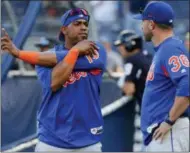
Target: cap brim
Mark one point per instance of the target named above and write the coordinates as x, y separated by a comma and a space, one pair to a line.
41, 45
138, 17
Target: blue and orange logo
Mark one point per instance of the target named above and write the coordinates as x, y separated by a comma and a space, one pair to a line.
74, 77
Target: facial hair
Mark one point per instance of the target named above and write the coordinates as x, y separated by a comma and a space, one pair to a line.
148, 37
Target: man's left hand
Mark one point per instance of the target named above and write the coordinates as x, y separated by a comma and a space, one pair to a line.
161, 131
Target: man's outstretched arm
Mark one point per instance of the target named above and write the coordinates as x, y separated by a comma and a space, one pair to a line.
33, 57
61, 72
50, 59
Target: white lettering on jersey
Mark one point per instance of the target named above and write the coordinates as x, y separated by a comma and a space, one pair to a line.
128, 68
139, 72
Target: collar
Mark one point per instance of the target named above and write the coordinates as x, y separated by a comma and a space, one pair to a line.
166, 40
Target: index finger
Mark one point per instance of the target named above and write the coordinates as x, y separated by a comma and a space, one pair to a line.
155, 132
4, 32
5, 39
94, 46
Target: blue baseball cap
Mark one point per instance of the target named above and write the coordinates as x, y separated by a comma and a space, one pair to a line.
71, 16
159, 12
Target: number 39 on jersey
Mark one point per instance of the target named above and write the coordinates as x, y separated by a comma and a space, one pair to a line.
177, 62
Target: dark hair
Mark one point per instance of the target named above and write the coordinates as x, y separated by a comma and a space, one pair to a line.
165, 26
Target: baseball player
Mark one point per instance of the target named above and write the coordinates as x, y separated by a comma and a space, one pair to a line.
70, 116
137, 62
164, 116
45, 44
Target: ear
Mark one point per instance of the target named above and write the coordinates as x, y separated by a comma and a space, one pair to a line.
151, 25
63, 30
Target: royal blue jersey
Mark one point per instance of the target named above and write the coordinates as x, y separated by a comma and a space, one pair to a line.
71, 117
167, 78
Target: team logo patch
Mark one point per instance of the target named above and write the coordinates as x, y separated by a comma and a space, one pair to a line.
74, 77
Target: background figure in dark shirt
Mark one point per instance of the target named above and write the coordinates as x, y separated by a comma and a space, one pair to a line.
136, 66
136, 63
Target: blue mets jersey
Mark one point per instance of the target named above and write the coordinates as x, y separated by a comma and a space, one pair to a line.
167, 78
71, 117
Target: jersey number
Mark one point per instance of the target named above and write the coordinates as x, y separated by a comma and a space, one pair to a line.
177, 61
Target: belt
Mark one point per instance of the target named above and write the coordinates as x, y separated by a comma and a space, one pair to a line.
184, 115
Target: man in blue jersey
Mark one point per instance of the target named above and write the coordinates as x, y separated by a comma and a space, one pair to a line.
70, 116
164, 114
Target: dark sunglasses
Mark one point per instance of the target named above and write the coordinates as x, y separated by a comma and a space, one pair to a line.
78, 11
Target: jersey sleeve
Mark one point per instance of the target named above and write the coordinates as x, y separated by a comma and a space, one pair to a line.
176, 63
44, 76
86, 62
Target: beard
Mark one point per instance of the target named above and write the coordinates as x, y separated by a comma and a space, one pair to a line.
148, 37
82, 38
79, 38
75, 39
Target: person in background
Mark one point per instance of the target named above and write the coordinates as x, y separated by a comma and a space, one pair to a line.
137, 63
45, 44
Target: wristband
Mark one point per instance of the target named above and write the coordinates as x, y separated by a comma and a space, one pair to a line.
28, 56
72, 56
167, 120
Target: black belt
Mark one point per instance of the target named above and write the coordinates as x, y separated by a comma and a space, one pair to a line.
184, 115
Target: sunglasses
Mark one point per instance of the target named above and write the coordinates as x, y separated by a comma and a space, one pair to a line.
77, 11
